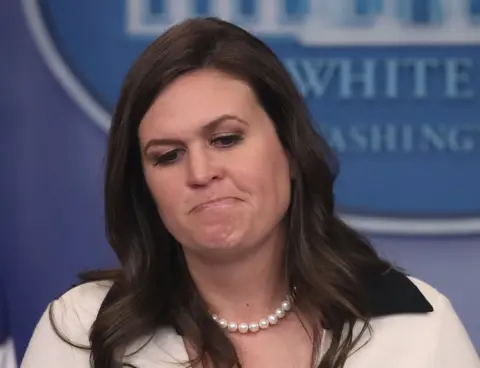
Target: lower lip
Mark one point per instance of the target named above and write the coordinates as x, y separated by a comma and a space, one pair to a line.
225, 202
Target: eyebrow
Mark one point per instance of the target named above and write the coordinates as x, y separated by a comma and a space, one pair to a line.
207, 128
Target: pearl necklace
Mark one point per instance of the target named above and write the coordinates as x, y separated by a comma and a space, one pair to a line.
264, 323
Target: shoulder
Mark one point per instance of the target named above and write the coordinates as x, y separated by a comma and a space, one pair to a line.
61, 336
443, 312
432, 295
89, 294
443, 315
396, 294
418, 320
73, 313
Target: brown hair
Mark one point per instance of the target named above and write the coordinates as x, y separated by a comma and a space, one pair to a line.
324, 258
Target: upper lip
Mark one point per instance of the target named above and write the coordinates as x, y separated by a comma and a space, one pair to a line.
210, 201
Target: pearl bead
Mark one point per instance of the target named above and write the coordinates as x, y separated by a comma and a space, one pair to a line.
286, 305
223, 323
272, 319
243, 328
253, 327
280, 313
263, 324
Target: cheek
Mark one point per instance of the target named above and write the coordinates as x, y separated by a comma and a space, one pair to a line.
279, 179
265, 174
165, 192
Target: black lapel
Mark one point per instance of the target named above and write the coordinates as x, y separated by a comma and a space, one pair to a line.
392, 292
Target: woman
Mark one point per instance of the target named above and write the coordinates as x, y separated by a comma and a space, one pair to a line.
219, 206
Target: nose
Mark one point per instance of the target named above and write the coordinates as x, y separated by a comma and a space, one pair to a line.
201, 168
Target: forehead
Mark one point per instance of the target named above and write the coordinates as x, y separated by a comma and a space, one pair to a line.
195, 99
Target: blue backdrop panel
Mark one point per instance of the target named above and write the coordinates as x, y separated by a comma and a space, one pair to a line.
402, 111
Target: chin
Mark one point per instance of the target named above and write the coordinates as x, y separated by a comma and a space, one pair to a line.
220, 243
224, 253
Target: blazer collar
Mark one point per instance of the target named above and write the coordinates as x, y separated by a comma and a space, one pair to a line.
392, 292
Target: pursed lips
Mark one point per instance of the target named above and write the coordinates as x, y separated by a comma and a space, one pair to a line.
212, 203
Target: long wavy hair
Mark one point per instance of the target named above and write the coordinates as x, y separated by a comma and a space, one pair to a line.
325, 259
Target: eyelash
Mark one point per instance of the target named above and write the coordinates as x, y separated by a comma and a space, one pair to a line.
232, 140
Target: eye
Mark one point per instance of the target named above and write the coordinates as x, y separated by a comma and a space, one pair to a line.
227, 140
168, 158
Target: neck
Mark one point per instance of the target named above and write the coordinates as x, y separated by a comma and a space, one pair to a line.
244, 286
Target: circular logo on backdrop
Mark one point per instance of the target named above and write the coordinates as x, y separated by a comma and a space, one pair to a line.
391, 84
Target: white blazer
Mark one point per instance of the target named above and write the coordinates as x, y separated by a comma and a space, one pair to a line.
402, 337
7, 354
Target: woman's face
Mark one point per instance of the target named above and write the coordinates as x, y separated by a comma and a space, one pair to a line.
214, 163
